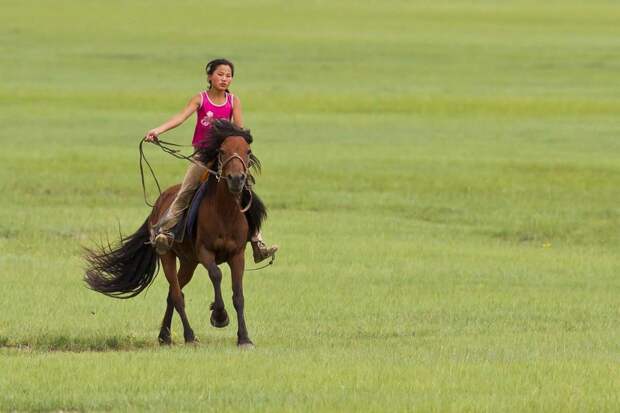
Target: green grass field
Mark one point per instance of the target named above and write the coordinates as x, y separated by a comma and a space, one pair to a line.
443, 179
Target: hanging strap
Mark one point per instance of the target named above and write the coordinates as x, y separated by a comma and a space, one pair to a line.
167, 147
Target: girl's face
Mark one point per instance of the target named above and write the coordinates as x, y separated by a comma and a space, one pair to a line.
221, 77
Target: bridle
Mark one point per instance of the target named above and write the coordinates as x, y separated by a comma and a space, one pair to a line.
168, 148
220, 170
221, 164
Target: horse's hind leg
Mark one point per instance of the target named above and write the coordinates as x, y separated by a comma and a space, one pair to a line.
165, 337
175, 295
185, 273
219, 316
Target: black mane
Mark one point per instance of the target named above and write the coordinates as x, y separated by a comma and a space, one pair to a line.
220, 130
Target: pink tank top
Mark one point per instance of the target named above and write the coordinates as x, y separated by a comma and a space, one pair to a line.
207, 111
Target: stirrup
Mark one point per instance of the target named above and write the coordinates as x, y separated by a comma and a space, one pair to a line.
262, 251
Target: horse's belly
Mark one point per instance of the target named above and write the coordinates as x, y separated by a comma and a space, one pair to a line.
225, 248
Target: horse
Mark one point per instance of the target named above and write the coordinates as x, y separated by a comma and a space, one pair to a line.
223, 228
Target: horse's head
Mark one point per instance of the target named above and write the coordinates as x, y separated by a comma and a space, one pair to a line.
234, 160
229, 146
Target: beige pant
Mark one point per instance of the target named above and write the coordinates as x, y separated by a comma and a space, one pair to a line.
190, 183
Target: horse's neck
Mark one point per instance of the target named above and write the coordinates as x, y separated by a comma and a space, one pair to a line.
223, 202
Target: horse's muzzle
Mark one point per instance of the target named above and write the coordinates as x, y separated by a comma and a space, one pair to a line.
235, 182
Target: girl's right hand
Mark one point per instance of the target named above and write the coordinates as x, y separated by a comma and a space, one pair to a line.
151, 136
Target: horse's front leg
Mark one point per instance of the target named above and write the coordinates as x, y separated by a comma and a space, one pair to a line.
237, 266
219, 316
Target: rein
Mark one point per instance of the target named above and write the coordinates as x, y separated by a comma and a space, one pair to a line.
168, 147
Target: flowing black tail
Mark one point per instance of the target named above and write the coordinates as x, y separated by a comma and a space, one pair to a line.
123, 271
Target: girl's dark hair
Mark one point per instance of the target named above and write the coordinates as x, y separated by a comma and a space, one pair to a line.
213, 64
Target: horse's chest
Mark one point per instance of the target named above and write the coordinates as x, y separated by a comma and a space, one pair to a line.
227, 244
225, 235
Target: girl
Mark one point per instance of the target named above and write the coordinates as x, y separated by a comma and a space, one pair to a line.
215, 103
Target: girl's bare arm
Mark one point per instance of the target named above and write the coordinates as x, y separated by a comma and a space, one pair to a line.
237, 116
174, 121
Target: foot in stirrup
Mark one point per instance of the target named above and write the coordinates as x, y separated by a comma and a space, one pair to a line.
262, 251
163, 242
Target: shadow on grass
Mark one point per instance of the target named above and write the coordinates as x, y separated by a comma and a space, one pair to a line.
77, 344
66, 343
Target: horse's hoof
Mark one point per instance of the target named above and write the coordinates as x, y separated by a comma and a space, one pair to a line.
219, 322
190, 338
245, 345
164, 340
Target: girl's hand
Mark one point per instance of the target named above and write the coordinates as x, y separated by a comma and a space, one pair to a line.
151, 136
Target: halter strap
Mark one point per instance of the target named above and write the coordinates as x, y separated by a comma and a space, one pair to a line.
221, 165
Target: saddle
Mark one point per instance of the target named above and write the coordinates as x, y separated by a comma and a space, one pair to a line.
187, 224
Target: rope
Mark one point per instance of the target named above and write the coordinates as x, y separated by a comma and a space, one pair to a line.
167, 147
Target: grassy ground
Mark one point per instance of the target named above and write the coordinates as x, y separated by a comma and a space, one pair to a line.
443, 179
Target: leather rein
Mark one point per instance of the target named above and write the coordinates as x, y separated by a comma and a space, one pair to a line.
168, 147
220, 169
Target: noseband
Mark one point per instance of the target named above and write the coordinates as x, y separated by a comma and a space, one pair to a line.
221, 165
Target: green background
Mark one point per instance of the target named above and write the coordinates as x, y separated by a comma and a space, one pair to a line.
442, 178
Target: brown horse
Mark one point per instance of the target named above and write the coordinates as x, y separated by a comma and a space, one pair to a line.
222, 231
